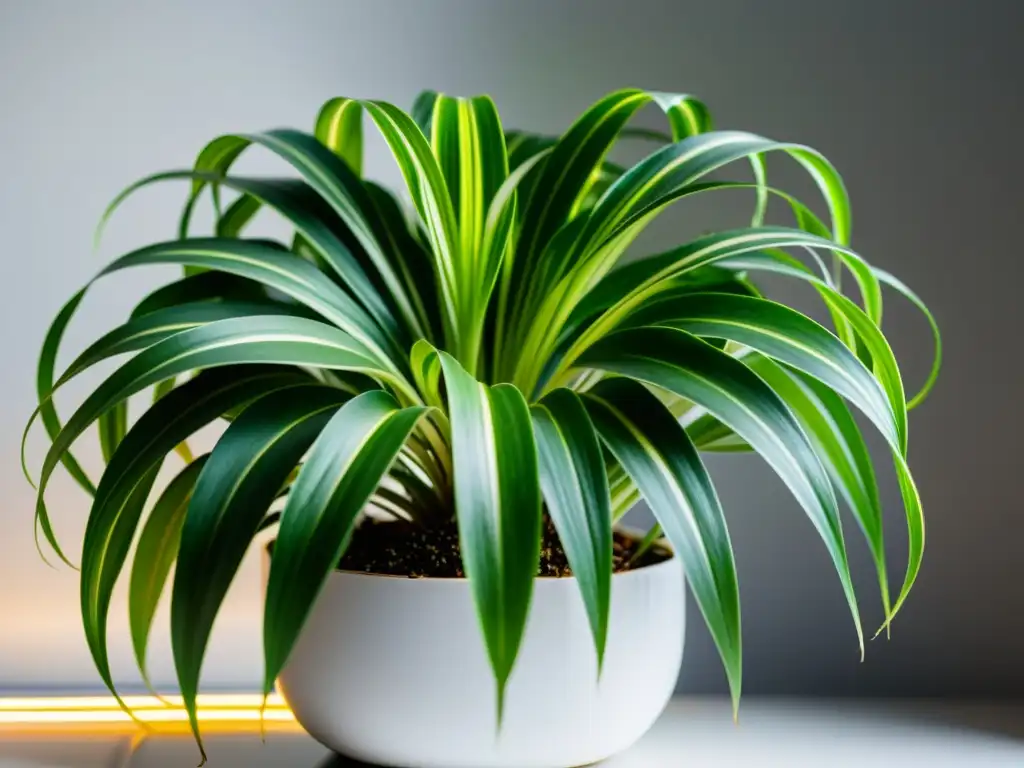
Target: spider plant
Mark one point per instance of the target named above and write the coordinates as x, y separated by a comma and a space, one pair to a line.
486, 353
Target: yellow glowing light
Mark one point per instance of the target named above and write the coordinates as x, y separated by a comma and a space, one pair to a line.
224, 708
208, 700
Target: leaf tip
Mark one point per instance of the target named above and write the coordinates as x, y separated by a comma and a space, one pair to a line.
263, 717
886, 627
500, 704
39, 550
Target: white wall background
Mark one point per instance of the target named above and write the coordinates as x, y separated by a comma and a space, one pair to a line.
916, 102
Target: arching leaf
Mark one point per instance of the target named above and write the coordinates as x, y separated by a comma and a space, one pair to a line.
681, 363
343, 469
236, 487
154, 555
121, 495
575, 489
656, 453
339, 127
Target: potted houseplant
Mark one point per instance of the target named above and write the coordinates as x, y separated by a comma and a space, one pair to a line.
476, 384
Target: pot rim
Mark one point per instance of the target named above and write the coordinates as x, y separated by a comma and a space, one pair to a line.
633, 572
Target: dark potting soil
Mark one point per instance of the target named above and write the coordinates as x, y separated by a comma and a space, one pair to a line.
403, 549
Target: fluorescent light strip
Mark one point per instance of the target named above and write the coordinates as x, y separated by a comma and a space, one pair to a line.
147, 709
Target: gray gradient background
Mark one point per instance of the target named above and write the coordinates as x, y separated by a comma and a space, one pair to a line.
917, 103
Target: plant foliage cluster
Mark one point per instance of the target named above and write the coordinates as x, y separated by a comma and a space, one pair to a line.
484, 352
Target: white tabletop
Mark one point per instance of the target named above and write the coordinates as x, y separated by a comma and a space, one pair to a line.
832, 734
698, 732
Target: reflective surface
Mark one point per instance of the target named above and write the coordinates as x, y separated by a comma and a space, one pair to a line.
771, 733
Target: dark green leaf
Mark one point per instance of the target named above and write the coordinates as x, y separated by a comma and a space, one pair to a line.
245, 471
272, 267
498, 505
45, 373
575, 488
343, 469
646, 440
781, 333
687, 366
128, 477
154, 556
841, 449
275, 339
111, 427
158, 325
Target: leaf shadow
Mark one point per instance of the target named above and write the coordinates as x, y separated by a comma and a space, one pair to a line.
336, 760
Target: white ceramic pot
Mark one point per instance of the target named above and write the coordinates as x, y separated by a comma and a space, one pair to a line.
393, 671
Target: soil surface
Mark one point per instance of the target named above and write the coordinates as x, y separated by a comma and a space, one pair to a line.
402, 549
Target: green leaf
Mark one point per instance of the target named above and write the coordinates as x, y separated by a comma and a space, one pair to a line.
111, 426
248, 466
423, 110
339, 127
663, 176
585, 256
709, 434
783, 334
687, 116
161, 324
205, 286
318, 224
215, 159
104, 550
411, 262
933, 374
841, 449
429, 193
703, 280
498, 258
47, 409
571, 164
333, 181
238, 215
691, 368
561, 183
154, 556
646, 440
888, 374
274, 268
259, 262
498, 505
523, 148
337, 250
681, 261
867, 332
274, 339
468, 140
118, 504
575, 489
426, 371
160, 389
624, 280
343, 469
633, 285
